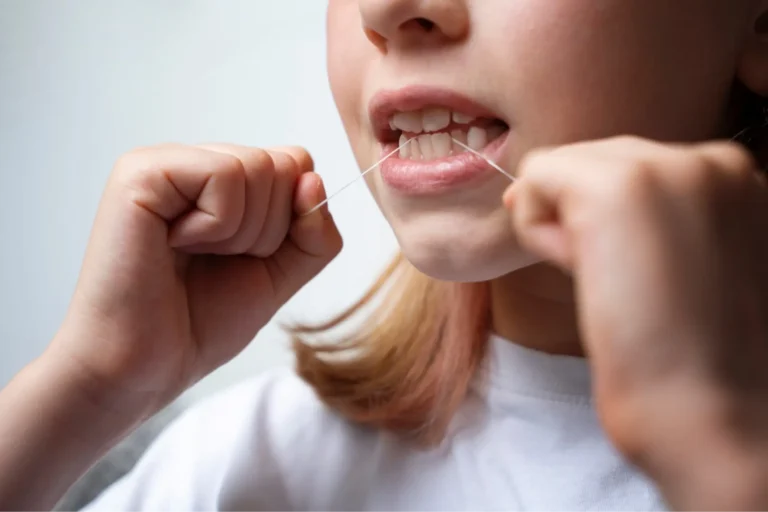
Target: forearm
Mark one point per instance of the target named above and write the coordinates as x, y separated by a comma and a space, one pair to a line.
711, 468
735, 484
51, 432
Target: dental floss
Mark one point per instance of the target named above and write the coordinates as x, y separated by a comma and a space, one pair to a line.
490, 162
362, 175
376, 166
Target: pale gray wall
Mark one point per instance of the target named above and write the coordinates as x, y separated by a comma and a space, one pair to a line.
82, 81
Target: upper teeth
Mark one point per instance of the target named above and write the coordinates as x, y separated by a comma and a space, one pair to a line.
431, 120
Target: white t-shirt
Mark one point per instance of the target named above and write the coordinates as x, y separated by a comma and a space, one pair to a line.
528, 439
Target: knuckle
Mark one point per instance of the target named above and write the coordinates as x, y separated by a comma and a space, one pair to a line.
742, 164
143, 160
634, 182
708, 175
239, 159
259, 166
134, 166
132, 161
301, 157
736, 157
285, 166
626, 140
732, 157
634, 144
701, 177
259, 160
305, 160
622, 189
697, 176
232, 165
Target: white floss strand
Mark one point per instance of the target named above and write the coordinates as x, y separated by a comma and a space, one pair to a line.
490, 162
377, 164
362, 175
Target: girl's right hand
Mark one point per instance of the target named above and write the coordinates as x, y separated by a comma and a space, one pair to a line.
193, 250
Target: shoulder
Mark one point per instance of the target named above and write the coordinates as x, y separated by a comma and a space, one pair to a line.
254, 445
277, 408
277, 405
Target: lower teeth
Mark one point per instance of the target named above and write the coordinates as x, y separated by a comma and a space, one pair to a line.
440, 145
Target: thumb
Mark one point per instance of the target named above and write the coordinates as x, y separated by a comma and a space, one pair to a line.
538, 223
313, 240
316, 233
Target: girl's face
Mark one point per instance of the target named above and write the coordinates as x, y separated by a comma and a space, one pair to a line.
506, 76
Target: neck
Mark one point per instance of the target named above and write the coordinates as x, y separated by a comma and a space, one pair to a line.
535, 308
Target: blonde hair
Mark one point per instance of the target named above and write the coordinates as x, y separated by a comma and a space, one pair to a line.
408, 367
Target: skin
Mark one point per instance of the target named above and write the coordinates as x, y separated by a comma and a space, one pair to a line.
648, 257
195, 248
645, 61
657, 69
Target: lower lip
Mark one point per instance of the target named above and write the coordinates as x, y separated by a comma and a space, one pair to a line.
415, 177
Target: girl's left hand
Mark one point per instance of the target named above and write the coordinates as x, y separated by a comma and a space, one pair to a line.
668, 248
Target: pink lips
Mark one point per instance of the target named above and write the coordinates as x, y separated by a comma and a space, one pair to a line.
419, 177
429, 177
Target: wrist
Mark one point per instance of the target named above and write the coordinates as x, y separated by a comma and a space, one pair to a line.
711, 462
107, 375
57, 378
94, 395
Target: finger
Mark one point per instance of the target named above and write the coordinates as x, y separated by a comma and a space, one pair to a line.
313, 242
536, 203
314, 233
300, 155
734, 159
280, 208
197, 192
565, 193
259, 169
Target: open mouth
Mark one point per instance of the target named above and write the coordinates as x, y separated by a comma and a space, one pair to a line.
431, 133
425, 121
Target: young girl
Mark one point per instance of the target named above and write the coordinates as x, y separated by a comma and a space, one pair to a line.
468, 387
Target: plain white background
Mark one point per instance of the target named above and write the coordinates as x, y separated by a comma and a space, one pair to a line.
85, 80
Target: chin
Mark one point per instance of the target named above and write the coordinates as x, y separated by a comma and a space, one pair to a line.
450, 248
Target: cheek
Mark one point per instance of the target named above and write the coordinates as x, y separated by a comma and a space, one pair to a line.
348, 58
587, 70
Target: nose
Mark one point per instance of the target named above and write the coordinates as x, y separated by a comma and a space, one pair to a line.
403, 22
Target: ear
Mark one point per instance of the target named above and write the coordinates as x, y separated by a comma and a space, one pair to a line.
753, 64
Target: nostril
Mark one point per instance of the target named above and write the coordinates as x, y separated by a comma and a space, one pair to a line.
377, 39
426, 24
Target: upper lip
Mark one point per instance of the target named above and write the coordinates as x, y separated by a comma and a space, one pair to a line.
387, 103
